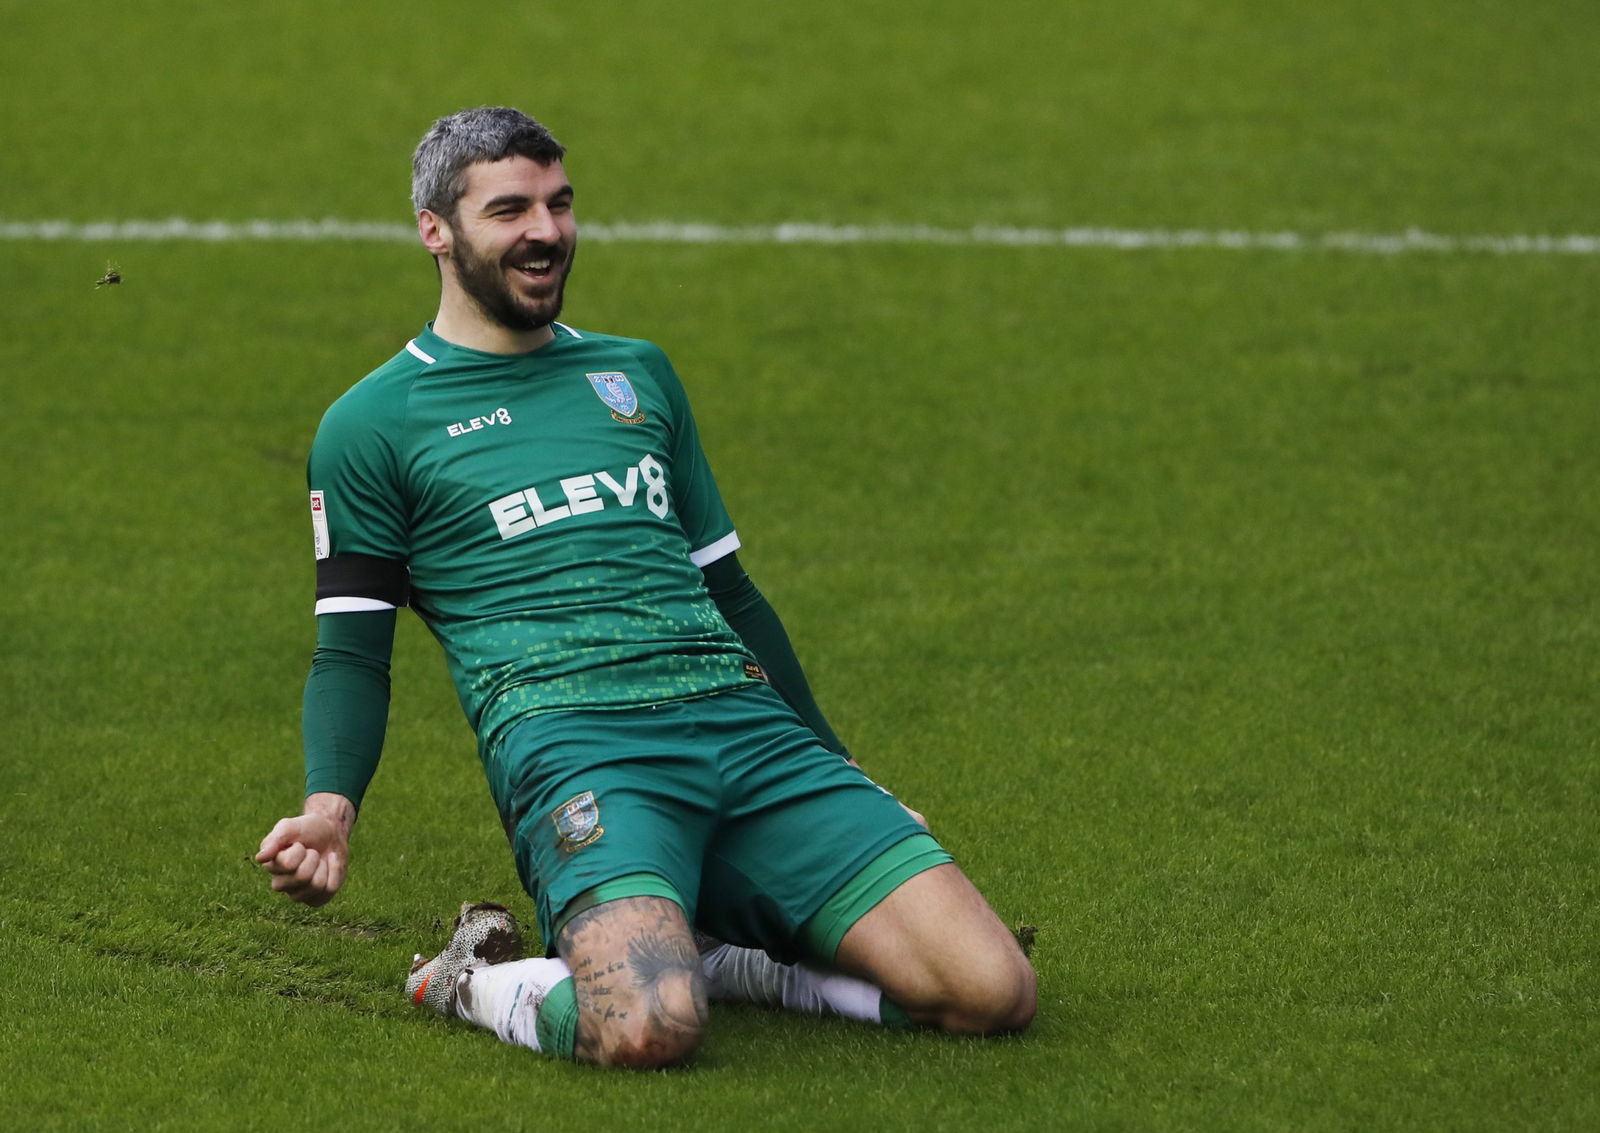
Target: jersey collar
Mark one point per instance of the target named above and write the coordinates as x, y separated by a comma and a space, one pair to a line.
429, 347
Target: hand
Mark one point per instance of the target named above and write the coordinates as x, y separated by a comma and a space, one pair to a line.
309, 855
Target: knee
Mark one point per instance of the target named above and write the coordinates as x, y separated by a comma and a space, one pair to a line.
996, 998
1023, 1002
652, 1034
1002, 1001
643, 1047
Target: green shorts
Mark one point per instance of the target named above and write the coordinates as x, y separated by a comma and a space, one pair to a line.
726, 804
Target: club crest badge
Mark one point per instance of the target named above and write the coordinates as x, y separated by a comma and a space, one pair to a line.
577, 822
616, 391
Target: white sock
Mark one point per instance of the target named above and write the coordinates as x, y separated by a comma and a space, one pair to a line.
749, 975
505, 998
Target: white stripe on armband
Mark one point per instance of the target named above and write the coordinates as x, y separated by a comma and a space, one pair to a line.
351, 605
727, 545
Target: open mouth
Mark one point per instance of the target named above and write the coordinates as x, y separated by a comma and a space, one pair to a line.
539, 269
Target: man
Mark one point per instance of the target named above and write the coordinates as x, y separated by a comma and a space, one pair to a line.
538, 495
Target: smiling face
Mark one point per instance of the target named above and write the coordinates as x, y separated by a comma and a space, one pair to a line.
509, 246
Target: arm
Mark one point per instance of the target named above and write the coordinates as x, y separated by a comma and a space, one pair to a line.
756, 622
359, 528
346, 710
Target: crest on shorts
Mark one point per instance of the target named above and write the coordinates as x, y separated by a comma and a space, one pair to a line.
577, 822
613, 388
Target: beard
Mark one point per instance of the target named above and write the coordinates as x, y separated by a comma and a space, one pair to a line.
483, 278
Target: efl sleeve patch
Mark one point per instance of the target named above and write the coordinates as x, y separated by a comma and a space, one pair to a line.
384, 581
319, 526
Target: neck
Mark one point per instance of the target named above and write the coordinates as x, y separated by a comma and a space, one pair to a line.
462, 322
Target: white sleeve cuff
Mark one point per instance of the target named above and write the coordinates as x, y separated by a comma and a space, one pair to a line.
723, 547
351, 605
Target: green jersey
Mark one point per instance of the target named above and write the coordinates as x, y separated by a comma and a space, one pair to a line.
546, 514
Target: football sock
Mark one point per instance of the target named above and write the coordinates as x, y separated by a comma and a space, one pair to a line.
531, 1003
749, 975
893, 1017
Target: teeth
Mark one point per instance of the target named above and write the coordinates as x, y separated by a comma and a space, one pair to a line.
535, 265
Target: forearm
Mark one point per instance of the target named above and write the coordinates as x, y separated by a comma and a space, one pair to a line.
346, 705
752, 617
336, 808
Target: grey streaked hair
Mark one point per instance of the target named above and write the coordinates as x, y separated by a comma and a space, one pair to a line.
456, 141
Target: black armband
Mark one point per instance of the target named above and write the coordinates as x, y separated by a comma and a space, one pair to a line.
364, 576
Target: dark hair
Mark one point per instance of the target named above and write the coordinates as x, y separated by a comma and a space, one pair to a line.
462, 139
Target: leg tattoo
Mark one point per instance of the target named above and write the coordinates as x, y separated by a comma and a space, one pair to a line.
640, 991
659, 961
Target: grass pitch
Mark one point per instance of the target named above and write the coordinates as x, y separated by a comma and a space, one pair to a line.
1231, 614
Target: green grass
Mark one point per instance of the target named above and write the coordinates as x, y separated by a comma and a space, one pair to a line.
1232, 615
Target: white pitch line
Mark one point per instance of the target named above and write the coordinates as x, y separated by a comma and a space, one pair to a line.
1410, 240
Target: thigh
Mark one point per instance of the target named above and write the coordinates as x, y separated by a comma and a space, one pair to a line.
938, 950
599, 796
636, 975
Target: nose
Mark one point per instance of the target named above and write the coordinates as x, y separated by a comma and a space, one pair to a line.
540, 227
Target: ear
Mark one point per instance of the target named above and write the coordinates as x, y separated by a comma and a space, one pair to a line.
435, 232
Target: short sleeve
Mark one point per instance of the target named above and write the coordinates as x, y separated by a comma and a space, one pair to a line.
358, 499
695, 497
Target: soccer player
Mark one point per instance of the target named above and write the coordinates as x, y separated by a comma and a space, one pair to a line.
538, 495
